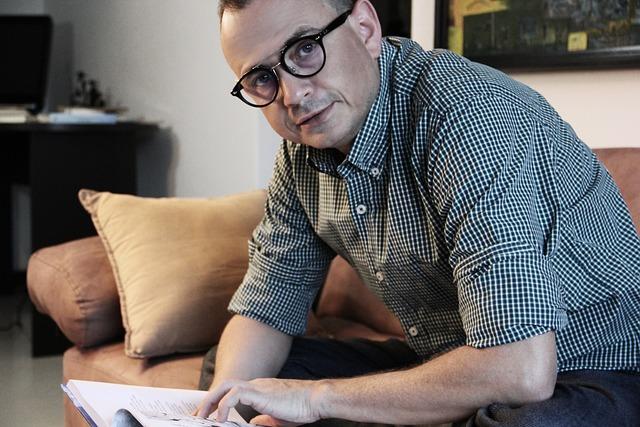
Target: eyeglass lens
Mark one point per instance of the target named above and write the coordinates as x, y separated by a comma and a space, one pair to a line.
260, 85
303, 58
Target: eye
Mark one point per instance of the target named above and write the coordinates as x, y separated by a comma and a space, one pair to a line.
258, 78
304, 50
304, 53
307, 48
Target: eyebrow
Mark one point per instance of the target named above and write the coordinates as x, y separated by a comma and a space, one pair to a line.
304, 30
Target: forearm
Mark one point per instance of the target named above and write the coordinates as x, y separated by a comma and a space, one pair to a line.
249, 349
450, 387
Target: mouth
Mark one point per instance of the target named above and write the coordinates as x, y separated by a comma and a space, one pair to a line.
315, 118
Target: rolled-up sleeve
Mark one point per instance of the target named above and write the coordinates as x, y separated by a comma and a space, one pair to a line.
493, 186
287, 260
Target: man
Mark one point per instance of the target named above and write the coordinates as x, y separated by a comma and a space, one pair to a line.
467, 205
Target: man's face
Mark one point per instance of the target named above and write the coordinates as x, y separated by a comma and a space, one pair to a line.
323, 111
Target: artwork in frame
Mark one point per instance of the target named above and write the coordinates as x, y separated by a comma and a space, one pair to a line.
529, 34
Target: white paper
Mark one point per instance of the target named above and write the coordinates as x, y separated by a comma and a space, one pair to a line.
152, 406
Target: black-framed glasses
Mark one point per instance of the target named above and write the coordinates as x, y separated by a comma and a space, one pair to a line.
303, 57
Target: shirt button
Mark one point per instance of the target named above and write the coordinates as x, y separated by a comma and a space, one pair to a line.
380, 276
413, 331
361, 209
375, 171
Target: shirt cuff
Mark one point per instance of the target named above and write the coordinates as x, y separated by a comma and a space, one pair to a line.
281, 300
510, 298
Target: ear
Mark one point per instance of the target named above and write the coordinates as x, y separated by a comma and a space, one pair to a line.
365, 22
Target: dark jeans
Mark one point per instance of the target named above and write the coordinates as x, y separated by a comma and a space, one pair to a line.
581, 398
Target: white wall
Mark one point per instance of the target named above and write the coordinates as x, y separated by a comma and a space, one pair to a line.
603, 107
21, 7
162, 60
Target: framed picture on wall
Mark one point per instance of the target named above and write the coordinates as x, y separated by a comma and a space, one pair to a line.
528, 34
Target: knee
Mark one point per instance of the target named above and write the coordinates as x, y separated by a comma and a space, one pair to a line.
299, 363
532, 415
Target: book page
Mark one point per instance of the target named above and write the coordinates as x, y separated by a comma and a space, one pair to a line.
177, 412
152, 406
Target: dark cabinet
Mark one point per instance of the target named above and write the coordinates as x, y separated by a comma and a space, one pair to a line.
55, 161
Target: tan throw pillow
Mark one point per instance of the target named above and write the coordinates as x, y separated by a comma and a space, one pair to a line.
177, 262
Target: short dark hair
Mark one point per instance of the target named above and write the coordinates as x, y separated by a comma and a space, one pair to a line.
235, 5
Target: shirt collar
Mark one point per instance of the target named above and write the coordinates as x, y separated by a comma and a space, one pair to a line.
369, 149
325, 161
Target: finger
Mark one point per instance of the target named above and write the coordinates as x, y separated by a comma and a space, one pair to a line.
205, 409
230, 400
269, 421
263, 420
200, 407
210, 401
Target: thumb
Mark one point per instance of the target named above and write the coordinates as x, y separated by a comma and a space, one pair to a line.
264, 420
269, 421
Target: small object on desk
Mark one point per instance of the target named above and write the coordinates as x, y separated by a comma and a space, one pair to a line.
74, 109
81, 118
9, 114
87, 92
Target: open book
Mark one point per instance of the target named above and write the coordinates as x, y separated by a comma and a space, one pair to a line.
152, 406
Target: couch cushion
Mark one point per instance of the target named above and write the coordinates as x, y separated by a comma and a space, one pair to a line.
624, 166
109, 363
73, 284
176, 264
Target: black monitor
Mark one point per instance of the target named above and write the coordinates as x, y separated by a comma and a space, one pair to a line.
25, 44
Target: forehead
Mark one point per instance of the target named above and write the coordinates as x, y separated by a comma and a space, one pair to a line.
253, 35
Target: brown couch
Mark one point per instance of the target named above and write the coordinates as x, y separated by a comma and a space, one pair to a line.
74, 284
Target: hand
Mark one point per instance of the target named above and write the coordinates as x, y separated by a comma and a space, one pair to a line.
281, 402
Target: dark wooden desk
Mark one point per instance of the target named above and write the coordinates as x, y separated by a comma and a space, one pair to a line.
55, 161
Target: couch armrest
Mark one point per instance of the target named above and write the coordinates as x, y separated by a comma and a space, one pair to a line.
622, 164
73, 283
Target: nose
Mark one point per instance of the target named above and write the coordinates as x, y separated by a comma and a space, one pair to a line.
294, 89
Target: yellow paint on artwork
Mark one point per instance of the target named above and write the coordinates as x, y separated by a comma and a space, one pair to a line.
455, 40
478, 7
577, 41
458, 9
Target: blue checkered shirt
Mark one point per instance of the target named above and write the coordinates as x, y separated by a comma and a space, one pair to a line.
469, 207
